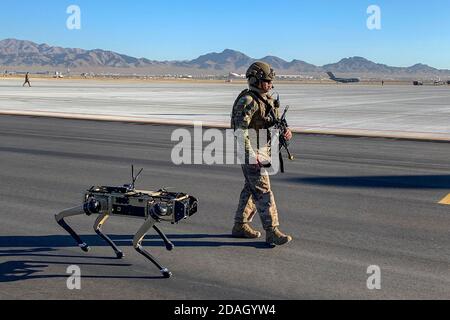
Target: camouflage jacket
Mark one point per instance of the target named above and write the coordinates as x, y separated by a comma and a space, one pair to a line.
250, 112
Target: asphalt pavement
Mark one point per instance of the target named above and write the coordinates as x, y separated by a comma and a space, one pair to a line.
349, 203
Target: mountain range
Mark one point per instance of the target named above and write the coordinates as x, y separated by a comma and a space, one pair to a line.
27, 54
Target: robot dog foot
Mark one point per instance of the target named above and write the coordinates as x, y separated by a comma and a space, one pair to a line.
84, 246
166, 273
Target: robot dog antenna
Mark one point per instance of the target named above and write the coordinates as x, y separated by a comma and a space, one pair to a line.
134, 178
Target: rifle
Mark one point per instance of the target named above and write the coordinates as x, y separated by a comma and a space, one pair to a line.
282, 125
279, 124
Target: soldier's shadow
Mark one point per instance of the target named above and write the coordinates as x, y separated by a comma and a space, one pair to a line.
188, 240
152, 240
32, 249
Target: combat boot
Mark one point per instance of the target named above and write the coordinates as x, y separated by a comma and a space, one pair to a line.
243, 230
275, 237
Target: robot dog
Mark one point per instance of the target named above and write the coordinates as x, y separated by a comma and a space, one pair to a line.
126, 201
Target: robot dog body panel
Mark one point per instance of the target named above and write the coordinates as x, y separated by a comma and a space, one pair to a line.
160, 205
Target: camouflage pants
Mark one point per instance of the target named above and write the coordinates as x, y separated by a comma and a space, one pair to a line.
257, 196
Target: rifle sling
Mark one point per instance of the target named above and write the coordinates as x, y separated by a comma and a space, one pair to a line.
255, 94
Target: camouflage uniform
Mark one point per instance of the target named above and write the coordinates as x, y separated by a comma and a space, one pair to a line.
252, 110
257, 196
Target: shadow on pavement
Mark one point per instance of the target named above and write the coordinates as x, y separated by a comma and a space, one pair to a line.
13, 271
63, 241
398, 182
45, 247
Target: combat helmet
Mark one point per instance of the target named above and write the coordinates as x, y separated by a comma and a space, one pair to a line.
260, 71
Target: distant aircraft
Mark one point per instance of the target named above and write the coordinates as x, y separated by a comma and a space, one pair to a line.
236, 75
438, 82
342, 80
58, 75
233, 75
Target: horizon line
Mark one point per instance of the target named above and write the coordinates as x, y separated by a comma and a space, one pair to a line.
213, 52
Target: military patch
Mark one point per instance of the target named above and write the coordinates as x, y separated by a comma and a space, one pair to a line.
250, 109
246, 100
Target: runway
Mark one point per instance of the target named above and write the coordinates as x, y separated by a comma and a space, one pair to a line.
398, 111
349, 203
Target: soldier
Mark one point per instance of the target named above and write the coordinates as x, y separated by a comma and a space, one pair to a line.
27, 80
251, 111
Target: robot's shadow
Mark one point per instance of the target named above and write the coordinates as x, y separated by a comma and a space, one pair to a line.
20, 270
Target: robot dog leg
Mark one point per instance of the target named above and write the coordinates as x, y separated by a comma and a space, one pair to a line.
137, 243
98, 230
76, 211
167, 242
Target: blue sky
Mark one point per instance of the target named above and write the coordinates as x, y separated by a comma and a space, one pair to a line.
319, 31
